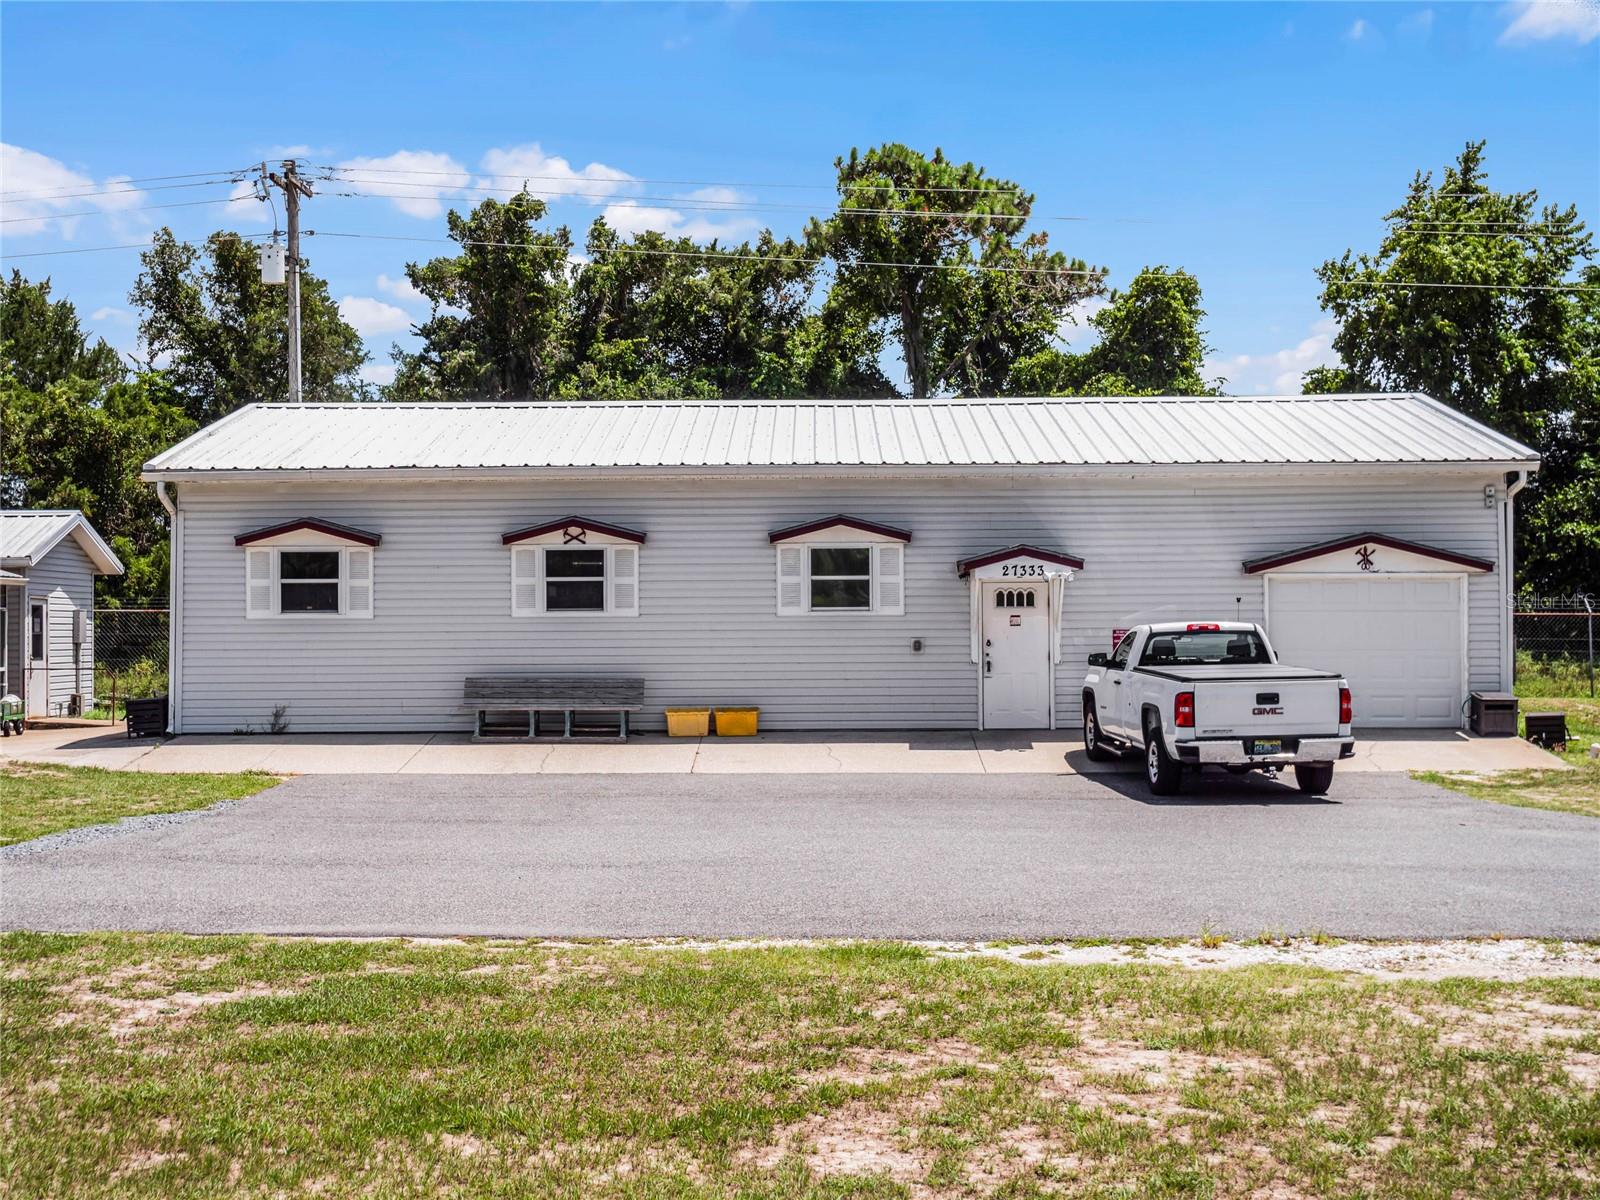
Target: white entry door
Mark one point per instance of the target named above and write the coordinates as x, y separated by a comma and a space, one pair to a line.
1399, 639
37, 650
1016, 656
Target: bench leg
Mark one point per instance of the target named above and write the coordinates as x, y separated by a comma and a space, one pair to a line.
624, 724
567, 718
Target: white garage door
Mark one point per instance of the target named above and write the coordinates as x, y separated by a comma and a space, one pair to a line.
1398, 639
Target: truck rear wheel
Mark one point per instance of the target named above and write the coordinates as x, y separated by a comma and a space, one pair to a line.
1164, 773
1314, 778
1093, 747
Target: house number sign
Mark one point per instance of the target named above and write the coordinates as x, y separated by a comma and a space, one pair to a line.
1021, 570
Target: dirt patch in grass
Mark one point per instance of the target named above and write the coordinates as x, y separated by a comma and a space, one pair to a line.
780, 1073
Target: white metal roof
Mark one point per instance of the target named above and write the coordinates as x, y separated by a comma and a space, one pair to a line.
738, 435
27, 535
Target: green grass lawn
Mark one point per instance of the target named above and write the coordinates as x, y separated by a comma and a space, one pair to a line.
1577, 790
40, 798
164, 1066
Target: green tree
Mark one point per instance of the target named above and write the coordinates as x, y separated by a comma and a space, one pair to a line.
958, 329
79, 443
41, 340
1150, 344
1469, 298
223, 334
499, 322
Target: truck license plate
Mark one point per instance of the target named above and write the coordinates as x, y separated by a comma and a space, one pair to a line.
1268, 746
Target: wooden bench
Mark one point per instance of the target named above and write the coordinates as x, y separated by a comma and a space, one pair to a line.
509, 707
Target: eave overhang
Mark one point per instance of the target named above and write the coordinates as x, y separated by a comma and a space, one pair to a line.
1290, 558
583, 524
968, 565
333, 529
839, 521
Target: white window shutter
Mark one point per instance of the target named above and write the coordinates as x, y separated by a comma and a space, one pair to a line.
623, 580
259, 568
358, 583
525, 591
791, 580
888, 579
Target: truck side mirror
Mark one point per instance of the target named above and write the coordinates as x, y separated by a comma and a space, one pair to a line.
1097, 660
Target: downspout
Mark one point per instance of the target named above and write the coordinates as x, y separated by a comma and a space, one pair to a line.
1515, 482
174, 606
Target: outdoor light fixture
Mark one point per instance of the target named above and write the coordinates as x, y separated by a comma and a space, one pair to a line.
1488, 495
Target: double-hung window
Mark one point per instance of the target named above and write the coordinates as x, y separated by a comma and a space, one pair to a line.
574, 566
840, 565
308, 568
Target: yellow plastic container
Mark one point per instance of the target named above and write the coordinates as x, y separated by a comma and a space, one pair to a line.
737, 722
688, 722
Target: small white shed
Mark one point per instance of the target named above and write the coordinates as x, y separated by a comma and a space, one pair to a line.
48, 561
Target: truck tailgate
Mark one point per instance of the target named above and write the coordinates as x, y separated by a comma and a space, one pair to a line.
1266, 707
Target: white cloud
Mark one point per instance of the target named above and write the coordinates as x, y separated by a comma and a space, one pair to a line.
628, 218
39, 187
1278, 372
548, 175
1547, 20
370, 316
400, 288
381, 373
416, 180
244, 207
1418, 23
114, 316
1358, 30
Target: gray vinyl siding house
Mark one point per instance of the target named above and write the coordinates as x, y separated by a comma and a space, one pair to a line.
48, 561
1336, 522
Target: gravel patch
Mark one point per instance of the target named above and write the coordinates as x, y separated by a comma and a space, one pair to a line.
86, 834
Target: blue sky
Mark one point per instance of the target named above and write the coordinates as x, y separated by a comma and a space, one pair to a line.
1243, 142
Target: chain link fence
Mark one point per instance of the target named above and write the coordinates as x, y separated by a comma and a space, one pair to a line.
130, 657
1555, 639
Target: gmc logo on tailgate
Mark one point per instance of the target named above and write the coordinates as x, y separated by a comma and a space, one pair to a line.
1272, 710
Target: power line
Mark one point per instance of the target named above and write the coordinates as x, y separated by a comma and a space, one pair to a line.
144, 179
720, 255
733, 256
689, 204
98, 249
627, 179
108, 212
124, 191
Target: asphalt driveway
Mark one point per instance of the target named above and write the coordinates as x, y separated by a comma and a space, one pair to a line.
937, 856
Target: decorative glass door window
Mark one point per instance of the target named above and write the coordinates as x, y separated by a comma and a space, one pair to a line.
575, 580
841, 577
308, 581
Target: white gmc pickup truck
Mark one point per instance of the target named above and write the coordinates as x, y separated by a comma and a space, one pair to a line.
1213, 693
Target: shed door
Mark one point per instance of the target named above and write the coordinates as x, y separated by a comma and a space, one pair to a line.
1016, 657
1399, 639
36, 648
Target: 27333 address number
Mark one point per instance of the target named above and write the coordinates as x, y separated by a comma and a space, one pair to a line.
1021, 570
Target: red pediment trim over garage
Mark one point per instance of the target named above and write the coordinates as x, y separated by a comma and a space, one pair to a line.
361, 537
967, 565
839, 520
577, 526
1359, 541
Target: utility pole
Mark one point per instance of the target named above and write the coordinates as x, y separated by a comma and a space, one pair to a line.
293, 187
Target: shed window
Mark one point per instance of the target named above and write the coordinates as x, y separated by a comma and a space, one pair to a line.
592, 578
308, 581
841, 577
823, 577
575, 580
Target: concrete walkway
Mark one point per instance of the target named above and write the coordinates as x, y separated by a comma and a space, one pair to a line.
934, 752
